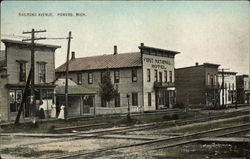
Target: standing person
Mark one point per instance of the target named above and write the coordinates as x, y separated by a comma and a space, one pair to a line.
53, 111
41, 110
61, 114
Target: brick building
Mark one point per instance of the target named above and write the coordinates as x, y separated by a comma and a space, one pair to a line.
229, 87
197, 85
147, 76
14, 69
243, 89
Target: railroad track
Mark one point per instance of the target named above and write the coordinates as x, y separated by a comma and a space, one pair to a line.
159, 143
152, 126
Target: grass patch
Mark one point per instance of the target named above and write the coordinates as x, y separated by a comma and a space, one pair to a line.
29, 152
211, 150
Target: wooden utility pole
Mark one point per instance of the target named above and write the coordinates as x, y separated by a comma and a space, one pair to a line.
66, 79
128, 115
31, 78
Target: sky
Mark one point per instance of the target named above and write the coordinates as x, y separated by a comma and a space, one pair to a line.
215, 32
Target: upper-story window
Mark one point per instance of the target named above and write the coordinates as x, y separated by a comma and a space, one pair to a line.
79, 78
22, 71
232, 86
212, 80
208, 79
42, 72
134, 75
215, 80
160, 76
170, 77
156, 75
116, 77
90, 78
166, 76
148, 75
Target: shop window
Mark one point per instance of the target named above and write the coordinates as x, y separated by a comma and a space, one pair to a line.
149, 99
116, 76
15, 99
42, 72
79, 78
160, 77
90, 78
134, 99
22, 71
148, 75
117, 101
156, 75
134, 75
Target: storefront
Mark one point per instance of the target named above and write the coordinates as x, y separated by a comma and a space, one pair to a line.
44, 96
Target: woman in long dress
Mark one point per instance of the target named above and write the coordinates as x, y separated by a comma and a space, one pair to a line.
61, 114
53, 111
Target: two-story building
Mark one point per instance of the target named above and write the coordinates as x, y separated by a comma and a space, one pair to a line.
147, 76
14, 70
243, 89
197, 85
228, 91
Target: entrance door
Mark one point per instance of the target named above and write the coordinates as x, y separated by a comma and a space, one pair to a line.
87, 103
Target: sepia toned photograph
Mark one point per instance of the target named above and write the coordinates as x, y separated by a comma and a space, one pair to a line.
125, 79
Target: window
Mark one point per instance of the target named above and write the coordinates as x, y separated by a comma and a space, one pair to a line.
148, 75
229, 85
134, 99
149, 99
170, 77
212, 80
79, 78
156, 76
208, 79
215, 80
116, 77
90, 78
160, 76
134, 75
15, 99
22, 71
117, 101
102, 73
166, 76
232, 86
42, 72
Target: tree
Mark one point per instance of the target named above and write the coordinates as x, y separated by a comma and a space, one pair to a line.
107, 90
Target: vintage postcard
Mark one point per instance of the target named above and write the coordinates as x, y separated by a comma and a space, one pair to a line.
124, 79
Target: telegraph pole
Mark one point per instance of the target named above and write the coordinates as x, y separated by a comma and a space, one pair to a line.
32, 67
66, 78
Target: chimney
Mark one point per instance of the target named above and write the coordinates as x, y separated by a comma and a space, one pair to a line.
115, 50
73, 55
196, 63
142, 44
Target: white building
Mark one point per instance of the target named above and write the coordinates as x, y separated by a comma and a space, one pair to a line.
147, 76
229, 89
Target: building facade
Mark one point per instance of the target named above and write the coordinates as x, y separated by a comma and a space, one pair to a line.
243, 89
147, 76
14, 71
228, 91
197, 85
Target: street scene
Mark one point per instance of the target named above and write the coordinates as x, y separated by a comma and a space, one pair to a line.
156, 79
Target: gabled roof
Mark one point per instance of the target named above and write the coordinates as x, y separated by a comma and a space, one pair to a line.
123, 60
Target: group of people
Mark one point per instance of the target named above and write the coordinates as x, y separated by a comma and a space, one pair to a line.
52, 113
